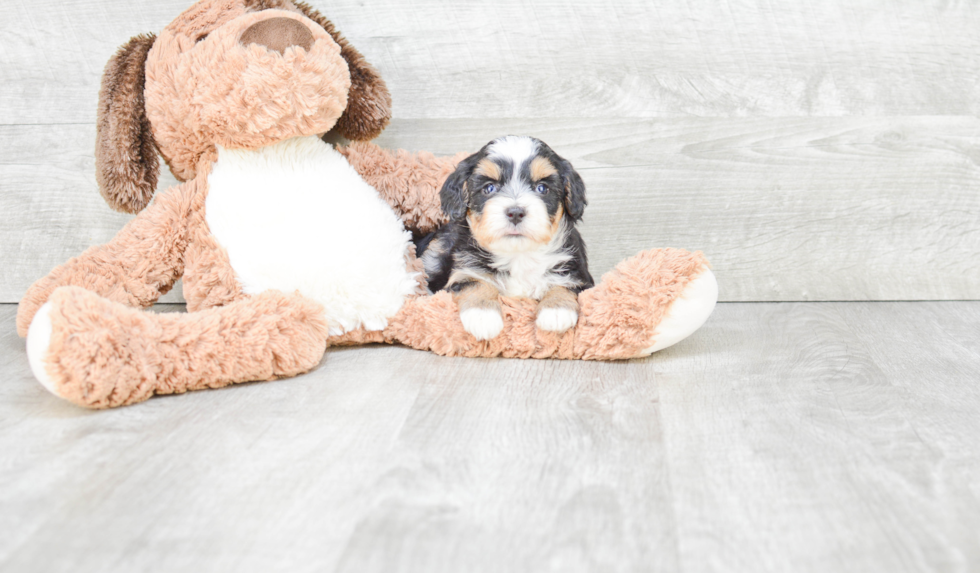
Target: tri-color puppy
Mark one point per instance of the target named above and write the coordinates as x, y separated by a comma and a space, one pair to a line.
512, 208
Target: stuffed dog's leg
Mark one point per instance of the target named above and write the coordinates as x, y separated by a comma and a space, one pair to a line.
409, 182
648, 302
99, 354
142, 262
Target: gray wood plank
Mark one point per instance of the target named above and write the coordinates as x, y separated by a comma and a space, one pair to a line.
564, 58
51, 203
165, 476
808, 441
785, 208
803, 437
569, 475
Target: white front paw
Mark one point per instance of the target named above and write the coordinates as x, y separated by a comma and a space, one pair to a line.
482, 323
556, 319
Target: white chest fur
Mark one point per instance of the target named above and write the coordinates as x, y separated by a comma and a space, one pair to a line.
528, 275
528, 272
296, 216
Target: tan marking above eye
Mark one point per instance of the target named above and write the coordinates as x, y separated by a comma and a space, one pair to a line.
541, 168
488, 168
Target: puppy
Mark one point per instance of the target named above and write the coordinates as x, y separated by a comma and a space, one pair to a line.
512, 209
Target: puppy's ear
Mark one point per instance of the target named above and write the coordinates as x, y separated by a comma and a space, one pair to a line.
368, 103
454, 195
574, 190
126, 158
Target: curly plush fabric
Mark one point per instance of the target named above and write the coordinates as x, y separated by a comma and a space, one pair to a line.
140, 264
126, 164
258, 98
405, 179
250, 75
618, 316
369, 109
105, 354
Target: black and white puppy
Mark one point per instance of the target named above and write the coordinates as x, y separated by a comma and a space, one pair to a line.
512, 209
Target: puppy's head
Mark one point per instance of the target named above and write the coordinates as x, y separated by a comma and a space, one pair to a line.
514, 193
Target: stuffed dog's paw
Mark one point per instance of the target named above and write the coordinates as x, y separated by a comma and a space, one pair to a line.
38, 342
482, 323
687, 313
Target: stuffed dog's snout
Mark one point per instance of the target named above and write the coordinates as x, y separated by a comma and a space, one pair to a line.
201, 83
277, 34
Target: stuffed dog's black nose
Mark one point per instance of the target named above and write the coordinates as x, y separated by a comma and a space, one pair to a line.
277, 34
515, 214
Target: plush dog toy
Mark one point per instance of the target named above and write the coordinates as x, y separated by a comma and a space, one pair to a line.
286, 244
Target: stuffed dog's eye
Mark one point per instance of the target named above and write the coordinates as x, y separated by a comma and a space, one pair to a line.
200, 39
489, 188
541, 188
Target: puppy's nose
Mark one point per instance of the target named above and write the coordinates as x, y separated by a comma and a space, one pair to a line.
277, 34
515, 214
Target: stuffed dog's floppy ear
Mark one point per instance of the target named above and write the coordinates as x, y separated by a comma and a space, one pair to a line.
368, 103
574, 190
454, 195
126, 161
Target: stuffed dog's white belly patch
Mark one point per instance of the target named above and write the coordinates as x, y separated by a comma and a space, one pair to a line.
296, 216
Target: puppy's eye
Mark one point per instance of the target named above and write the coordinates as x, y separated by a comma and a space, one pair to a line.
489, 188
541, 188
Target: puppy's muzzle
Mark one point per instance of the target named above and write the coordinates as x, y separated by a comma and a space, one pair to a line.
515, 214
277, 34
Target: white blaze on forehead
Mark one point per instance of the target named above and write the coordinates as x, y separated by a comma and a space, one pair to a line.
517, 148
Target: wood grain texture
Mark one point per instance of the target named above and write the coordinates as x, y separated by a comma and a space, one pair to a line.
814, 151
780, 437
785, 208
51, 203
828, 437
564, 58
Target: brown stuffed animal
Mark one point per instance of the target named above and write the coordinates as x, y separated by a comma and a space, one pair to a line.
286, 245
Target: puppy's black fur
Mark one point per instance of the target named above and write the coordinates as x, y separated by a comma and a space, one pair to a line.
483, 239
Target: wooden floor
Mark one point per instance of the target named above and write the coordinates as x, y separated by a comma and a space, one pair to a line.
815, 151
781, 437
